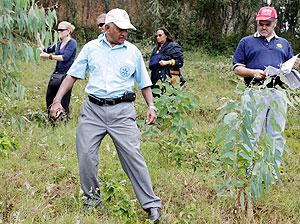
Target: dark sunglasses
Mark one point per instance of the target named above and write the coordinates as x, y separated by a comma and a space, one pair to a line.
158, 35
264, 24
100, 24
61, 30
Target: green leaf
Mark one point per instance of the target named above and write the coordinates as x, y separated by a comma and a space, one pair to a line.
243, 205
256, 168
274, 124
245, 138
228, 147
221, 133
238, 183
297, 99
245, 155
231, 118
230, 155
253, 190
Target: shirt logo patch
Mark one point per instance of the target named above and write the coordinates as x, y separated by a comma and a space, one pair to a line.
279, 46
125, 71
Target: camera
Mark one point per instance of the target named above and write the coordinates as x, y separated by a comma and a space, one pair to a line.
128, 96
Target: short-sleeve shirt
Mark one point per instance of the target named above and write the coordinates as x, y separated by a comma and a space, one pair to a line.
256, 52
68, 52
112, 70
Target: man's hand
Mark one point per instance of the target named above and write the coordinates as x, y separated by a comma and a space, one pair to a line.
297, 63
151, 115
56, 109
259, 74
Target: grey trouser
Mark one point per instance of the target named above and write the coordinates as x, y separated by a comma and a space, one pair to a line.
272, 108
119, 122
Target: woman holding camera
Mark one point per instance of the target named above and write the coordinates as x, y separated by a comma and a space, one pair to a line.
64, 55
166, 59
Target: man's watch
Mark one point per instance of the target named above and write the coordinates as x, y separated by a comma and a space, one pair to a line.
153, 108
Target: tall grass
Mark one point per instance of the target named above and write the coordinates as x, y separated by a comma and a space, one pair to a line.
40, 181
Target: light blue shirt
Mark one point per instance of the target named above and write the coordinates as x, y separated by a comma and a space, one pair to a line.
112, 70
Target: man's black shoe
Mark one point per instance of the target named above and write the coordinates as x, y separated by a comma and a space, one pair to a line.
91, 203
154, 214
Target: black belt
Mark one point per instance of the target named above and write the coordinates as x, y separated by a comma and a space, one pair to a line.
275, 83
105, 101
269, 85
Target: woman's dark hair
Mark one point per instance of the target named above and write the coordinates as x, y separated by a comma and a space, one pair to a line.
170, 38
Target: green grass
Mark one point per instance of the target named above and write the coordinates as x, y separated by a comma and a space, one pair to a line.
40, 181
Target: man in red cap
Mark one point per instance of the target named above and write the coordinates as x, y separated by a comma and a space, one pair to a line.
253, 55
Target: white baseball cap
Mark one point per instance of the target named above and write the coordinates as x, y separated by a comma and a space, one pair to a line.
120, 18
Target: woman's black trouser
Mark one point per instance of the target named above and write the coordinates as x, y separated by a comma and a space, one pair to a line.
51, 93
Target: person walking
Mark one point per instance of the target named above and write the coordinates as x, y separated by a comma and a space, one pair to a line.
64, 54
113, 64
252, 56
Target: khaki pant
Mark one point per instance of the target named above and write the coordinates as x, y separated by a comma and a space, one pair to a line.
119, 122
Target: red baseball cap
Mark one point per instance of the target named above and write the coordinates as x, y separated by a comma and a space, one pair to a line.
266, 13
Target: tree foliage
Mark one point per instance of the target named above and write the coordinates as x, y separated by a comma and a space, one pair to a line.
20, 21
248, 167
217, 25
178, 136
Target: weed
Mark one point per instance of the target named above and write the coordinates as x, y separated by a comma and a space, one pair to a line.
7, 143
117, 199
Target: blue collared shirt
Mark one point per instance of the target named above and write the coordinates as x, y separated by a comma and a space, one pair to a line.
256, 52
112, 70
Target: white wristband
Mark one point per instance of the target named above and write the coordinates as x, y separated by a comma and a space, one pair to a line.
153, 108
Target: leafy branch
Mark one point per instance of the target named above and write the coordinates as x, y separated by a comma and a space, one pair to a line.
248, 165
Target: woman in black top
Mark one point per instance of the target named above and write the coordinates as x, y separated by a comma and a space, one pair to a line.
64, 55
166, 58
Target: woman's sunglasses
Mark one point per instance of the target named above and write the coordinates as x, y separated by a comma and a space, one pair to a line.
61, 30
100, 24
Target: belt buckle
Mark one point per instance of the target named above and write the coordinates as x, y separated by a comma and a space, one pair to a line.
109, 101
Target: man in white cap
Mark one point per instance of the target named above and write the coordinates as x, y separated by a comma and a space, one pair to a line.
113, 65
252, 56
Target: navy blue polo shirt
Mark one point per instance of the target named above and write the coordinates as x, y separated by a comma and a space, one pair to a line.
68, 52
256, 52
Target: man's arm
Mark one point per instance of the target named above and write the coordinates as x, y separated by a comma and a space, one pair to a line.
249, 73
65, 86
151, 113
